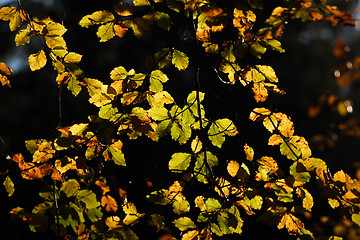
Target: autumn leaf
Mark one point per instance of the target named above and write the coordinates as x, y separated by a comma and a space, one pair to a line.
5, 69
184, 223
123, 9
9, 186
109, 203
233, 168
291, 223
196, 145
37, 60
249, 152
179, 162
180, 60
98, 17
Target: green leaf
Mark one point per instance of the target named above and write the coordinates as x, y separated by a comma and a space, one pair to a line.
257, 49
9, 186
184, 223
163, 57
117, 156
94, 214
254, 202
157, 77
201, 168
212, 205
180, 207
70, 187
163, 20
219, 129
180, 131
299, 172
88, 197
180, 60
74, 86
228, 54
159, 197
163, 128
273, 44
179, 162
289, 150
108, 112
159, 113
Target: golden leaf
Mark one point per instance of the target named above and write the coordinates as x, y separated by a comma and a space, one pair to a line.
4, 81
63, 78
37, 60
292, 223
249, 152
233, 168
260, 92
286, 127
191, 235
113, 222
275, 139
123, 9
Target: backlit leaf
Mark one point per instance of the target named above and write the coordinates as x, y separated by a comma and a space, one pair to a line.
249, 152
191, 235
268, 72
97, 17
307, 199
106, 32
123, 9
88, 197
163, 20
179, 162
157, 77
184, 223
233, 168
9, 186
15, 21
37, 60
6, 13
196, 145
117, 156
70, 187
109, 203
180, 60
72, 57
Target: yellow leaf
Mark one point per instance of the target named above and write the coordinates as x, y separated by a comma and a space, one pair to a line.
286, 127
196, 145
109, 203
129, 97
55, 29
259, 113
129, 208
72, 57
233, 168
191, 235
275, 139
307, 199
22, 37
113, 222
15, 21
6, 13
37, 60
249, 152
106, 32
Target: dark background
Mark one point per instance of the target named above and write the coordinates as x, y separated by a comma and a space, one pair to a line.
30, 109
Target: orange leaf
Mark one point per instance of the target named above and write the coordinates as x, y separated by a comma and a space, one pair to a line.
120, 30
5, 69
123, 9
109, 203
104, 187
260, 92
292, 223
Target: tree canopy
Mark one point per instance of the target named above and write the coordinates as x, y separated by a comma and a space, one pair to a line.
162, 125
